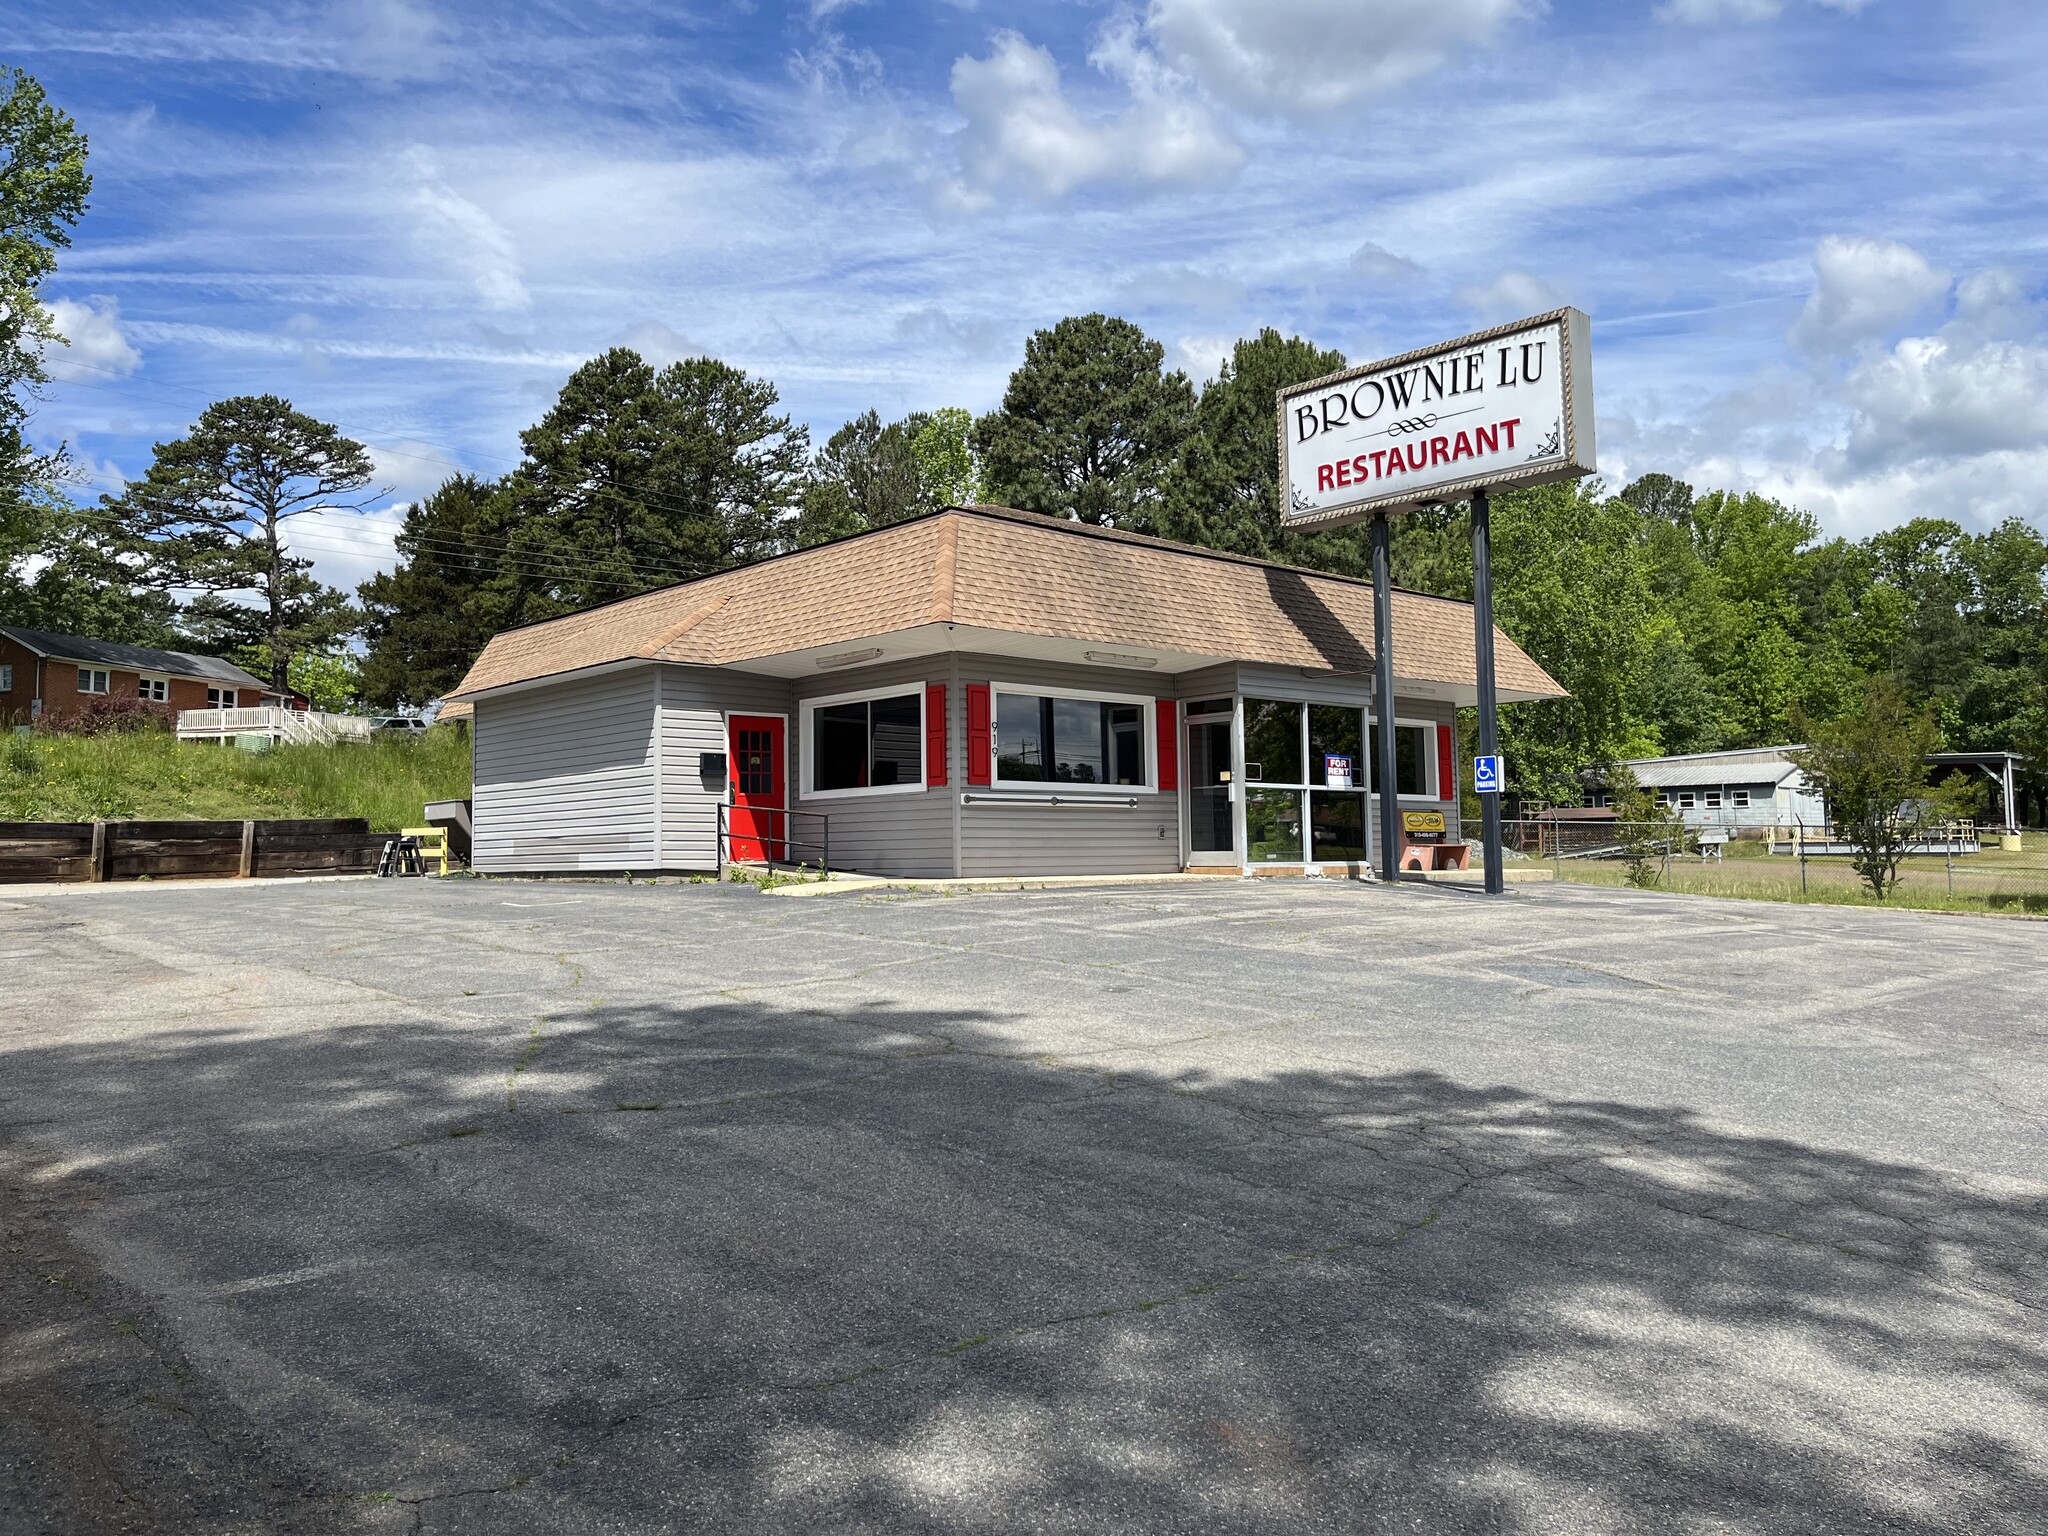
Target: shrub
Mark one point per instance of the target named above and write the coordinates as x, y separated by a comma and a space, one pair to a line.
111, 716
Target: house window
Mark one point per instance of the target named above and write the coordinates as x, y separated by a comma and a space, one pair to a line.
1713, 799
1411, 759
7, 678
871, 743
1685, 800
220, 698
1069, 739
92, 680
1739, 799
153, 690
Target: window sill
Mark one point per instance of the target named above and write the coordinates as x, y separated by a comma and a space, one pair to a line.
916, 788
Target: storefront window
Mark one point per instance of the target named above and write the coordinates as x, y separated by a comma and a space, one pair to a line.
1411, 759
1272, 741
1334, 731
1044, 739
873, 743
1272, 825
1336, 826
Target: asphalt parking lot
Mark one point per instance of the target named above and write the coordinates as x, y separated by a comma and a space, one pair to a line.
500, 1207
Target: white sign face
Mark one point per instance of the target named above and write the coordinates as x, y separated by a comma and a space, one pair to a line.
1508, 407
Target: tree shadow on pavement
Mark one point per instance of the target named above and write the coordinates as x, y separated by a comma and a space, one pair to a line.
736, 1267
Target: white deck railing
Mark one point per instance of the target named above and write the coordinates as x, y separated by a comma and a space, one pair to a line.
301, 726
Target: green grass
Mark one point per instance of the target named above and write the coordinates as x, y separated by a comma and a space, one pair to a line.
1992, 881
152, 776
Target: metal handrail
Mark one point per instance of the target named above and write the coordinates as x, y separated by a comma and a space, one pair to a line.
768, 840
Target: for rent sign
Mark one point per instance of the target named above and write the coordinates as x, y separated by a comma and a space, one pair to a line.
1508, 407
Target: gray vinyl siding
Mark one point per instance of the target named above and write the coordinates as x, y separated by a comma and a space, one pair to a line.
694, 704
1068, 840
564, 777
907, 834
1218, 682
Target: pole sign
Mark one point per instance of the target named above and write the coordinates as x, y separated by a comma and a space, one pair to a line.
1501, 409
1486, 775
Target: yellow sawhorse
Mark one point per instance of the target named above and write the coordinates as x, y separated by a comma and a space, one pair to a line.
433, 843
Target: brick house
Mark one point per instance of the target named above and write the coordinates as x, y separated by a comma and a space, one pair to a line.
46, 676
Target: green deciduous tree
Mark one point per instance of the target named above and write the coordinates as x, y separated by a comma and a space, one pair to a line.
1088, 426
1571, 588
1870, 766
43, 188
947, 465
1649, 830
213, 515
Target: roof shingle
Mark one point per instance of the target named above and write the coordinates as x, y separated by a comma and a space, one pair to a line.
999, 569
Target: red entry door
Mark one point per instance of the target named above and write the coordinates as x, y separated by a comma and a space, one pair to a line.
759, 780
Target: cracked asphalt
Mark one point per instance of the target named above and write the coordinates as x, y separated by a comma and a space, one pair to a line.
480, 1207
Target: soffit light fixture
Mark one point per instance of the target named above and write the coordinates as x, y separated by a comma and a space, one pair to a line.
1119, 659
848, 658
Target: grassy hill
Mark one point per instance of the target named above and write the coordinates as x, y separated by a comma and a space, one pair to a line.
152, 776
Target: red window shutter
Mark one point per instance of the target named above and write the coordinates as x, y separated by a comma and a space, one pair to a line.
979, 758
1169, 745
1446, 765
935, 734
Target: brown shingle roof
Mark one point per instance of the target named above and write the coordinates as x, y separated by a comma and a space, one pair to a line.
1000, 569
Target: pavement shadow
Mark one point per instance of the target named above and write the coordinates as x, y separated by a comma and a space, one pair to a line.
739, 1267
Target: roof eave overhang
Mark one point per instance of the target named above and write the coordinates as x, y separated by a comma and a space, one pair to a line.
549, 679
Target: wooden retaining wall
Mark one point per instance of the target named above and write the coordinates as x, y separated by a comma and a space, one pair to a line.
172, 850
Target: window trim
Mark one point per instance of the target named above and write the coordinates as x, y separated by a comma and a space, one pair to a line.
147, 681
1433, 779
105, 677
6, 677
213, 693
1148, 743
807, 730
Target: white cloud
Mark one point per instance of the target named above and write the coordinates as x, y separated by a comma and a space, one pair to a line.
1376, 263
1863, 290
1183, 287
1953, 422
464, 236
1202, 357
408, 469
1931, 398
939, 330
1509, 297
347, 548
662, 344
1023, 137
1315, 58
1700, 13
99, 350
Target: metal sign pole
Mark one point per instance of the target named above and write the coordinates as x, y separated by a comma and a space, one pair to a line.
1383, 695
1489, 714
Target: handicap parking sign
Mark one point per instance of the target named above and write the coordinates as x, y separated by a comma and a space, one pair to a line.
1486, 775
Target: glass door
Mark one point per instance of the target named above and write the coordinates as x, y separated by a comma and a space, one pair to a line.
1212, 820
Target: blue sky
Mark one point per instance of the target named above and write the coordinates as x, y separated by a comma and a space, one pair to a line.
1811, 233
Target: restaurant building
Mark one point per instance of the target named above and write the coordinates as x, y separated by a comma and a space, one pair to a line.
980, 691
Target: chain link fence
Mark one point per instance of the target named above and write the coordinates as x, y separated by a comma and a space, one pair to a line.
1959, 866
